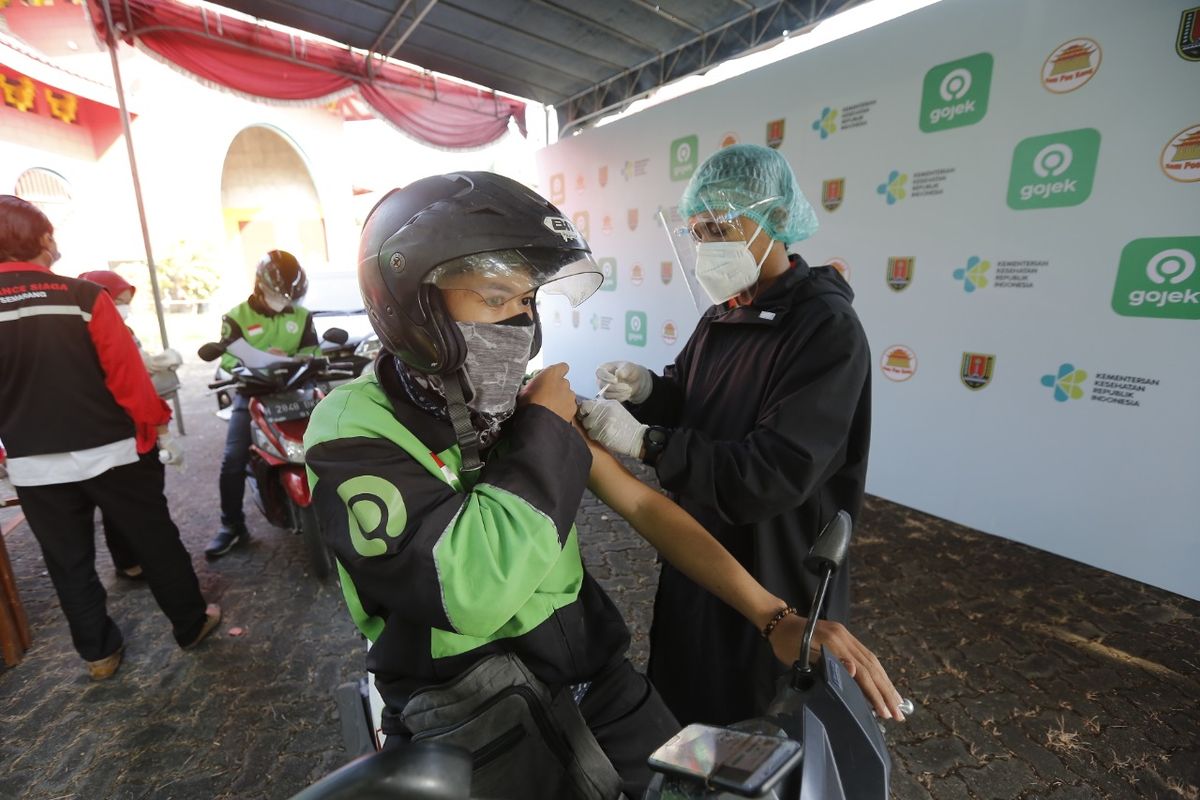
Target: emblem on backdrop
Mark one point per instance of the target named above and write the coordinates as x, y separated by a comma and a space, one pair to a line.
606, 225
899, 363
900, 272
1180, 158
666, 270
580, 183
1187, 43
602, 176
637, 275
775, 133
832, 193
1071, 65
558, 189
728, 139
632, 218
976, 371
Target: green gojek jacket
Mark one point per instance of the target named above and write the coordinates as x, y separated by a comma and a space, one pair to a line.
291, 330
439, 570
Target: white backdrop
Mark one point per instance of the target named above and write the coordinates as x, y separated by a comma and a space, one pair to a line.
1039, 163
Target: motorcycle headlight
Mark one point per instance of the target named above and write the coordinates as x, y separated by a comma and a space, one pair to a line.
263, 441
368, 347
293, 450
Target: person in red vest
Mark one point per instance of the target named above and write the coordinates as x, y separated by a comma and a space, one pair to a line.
81, 421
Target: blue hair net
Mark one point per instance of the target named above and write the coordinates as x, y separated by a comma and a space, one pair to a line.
749, 180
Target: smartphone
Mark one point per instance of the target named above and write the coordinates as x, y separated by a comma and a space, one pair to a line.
748, 764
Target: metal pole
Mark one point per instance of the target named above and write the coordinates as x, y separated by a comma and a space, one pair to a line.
111, 39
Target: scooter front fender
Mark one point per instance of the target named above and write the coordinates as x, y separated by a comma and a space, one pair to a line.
295, 483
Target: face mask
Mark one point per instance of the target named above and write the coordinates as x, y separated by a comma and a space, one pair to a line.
724, 269
54, 254
276, 302
123, 310
497, 354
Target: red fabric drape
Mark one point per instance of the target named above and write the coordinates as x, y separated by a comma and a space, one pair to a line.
262, 62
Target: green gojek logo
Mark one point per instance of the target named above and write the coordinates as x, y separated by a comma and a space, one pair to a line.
956, 93
1158, 277
375, 509
608, 268
685, 155
635, 328
1053, 170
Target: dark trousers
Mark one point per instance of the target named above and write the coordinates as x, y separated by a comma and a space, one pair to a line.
233, 463
118, 545
628, 719
61, 517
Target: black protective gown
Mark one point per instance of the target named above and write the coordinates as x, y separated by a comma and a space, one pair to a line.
770, 405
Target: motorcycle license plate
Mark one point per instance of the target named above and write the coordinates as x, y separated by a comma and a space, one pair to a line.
285, 406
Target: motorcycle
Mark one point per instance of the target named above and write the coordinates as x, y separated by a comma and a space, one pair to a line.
818, 740
283, 393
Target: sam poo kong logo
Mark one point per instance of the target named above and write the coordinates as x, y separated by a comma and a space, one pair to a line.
1067, 383
1158, 278
956, 93
899, 363
1071, 65
635, 328
1053, 170
976, 370
685, 154
974, 275
1180, 159
670, 334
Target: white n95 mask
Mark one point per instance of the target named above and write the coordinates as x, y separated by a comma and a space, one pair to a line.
724, 269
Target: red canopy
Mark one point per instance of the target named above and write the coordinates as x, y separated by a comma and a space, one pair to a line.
263, 62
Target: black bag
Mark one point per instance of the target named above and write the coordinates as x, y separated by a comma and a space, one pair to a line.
525, 743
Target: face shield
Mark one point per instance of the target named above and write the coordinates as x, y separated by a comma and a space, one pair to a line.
712, 247
502, 276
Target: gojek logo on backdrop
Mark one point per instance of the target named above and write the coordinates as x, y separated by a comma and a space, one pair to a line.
635, 328
956, 93
1157, 277
826, 124
1053, 170
608, 268
893, 188
1067, 382
685, 154
974, 275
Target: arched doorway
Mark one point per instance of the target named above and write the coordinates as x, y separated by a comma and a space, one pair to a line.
269, 200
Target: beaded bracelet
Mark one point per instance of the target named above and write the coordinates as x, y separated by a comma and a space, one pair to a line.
775, 620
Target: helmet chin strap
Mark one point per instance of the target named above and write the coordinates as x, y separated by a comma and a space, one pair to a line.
460, 418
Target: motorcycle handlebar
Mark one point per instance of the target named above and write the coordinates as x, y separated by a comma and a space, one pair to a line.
222, 384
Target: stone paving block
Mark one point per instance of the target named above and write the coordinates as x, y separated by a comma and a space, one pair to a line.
938, 755
1001, 779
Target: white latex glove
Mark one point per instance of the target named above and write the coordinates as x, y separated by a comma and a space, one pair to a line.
611, 424
167, 359
624, 381
170, 450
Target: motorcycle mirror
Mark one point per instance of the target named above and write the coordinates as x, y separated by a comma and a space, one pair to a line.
831, 547
210, 351
335, 335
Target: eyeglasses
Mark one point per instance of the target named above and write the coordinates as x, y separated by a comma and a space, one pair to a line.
713, 230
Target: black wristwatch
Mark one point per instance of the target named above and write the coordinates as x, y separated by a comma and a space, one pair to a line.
654, 441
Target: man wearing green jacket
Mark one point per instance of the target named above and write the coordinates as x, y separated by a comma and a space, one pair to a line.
270, 320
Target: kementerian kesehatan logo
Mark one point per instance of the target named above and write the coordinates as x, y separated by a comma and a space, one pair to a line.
832, 193
1187, 43
1067, 383
976, 370
1053, 170
1180, 158
1071, 65
826, 124
634, 169
956, 93
974, 275
775, 133
1157, 277
899, 363
900, 271
893, 188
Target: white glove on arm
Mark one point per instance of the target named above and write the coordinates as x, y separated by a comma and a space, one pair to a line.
624, 381
170, 450
611, 424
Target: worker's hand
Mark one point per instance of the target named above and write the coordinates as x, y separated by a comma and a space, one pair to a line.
860, 662
624, 381
611, 424
170, 450
551, 389
167, 359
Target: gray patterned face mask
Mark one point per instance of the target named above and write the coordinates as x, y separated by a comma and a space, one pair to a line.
497, 354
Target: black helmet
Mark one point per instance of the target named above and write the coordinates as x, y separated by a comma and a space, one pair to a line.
449, 225
279, 272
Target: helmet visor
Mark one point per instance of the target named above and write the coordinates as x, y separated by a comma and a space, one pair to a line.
501, 276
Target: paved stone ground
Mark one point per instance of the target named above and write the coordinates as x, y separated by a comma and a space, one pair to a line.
1036, 677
